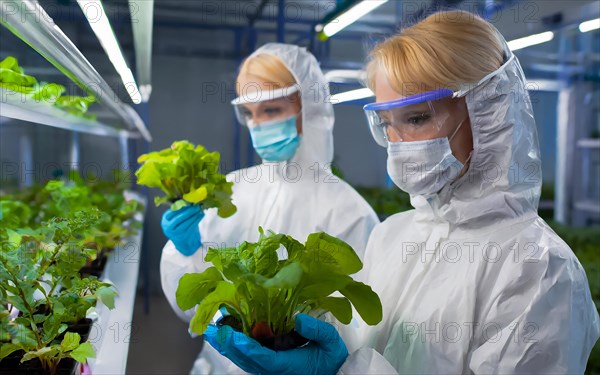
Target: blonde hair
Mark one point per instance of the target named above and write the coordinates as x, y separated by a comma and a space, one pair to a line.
268, 68
448, 49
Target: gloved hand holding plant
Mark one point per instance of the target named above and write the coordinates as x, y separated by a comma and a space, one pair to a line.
263, 294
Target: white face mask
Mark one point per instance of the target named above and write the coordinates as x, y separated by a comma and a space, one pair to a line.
423, 167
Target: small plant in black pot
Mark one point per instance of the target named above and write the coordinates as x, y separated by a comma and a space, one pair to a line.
44, 301
262, 292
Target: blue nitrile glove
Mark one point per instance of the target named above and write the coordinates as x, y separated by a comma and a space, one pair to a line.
324, 354
181, 227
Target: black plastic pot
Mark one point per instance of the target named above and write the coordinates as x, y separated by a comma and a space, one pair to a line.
96, 267
11, 365
83, 327
290, 340
68, 366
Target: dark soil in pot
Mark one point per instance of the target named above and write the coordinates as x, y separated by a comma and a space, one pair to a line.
291, 340
83, 327
11, 366
94, 268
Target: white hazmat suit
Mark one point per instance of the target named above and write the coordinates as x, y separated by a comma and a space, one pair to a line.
473, 280
297, 197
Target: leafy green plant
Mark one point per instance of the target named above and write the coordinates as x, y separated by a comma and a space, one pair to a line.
385, 201
258, 288
39, 280
187, 175
60, 198
12, 77
76, 105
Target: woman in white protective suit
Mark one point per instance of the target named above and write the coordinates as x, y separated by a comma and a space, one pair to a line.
472, 280
284, 100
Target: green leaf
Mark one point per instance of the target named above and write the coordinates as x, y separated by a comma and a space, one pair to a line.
39, 318
83, 352
178, 205
319, 283
340, 308
14, 75
266, 259
149, 176
107, 296
332, 253
58, 308
197, 195
287, 278
223, 294
14, 238
226, 210
365, 301
49, 92
76, 105
51, 328
294, 248
45, 352
194, 287
8, 348
161, 200
70, 341
234, 270
220, 257
23, 336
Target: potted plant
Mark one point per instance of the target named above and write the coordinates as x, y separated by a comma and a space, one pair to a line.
59, 198
262, 292
187, 174
44, 299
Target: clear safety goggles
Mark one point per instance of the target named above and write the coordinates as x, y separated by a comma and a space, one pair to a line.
412, 118
262, 106
418, 117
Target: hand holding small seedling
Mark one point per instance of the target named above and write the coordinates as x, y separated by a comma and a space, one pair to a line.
263, 293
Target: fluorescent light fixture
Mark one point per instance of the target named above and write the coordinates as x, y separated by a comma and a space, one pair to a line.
530, 40
145, 90
351, 95
349, 16
96, 16
586, 26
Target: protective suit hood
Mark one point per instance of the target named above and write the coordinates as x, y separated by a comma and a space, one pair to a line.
504, 177
316, 145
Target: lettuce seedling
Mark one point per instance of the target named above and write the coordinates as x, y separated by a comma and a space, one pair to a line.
13, 77
257, 288
76, 105
187, 175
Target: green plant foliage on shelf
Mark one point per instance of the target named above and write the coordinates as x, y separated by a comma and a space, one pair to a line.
60, 198
40, 282
48, 233
12, 77
259, 289
385, 201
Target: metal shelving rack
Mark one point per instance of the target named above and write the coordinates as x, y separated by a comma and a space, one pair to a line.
28, 21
